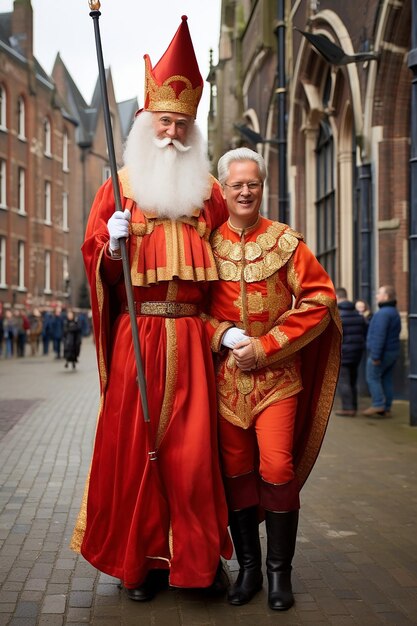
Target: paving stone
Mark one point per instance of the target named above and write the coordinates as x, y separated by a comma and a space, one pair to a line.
54, 604
355, 557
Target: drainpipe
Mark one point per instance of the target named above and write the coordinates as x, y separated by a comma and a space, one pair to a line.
366, 229
412, 307
281, 92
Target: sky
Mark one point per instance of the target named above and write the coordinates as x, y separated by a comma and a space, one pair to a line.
129, 29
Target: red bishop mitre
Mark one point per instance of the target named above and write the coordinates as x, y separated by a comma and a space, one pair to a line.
175, 83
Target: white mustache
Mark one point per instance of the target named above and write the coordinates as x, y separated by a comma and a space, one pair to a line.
162, 143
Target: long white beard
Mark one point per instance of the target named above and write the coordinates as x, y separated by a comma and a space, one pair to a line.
165, 180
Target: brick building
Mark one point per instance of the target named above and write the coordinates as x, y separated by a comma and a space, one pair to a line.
346, 138
53, 157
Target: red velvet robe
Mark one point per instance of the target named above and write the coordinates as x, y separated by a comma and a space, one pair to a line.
171, 512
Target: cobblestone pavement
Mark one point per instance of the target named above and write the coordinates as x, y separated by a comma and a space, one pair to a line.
356, 559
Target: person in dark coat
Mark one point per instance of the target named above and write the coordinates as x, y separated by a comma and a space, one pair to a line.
72, 339
353, 345
57, 328
383, 345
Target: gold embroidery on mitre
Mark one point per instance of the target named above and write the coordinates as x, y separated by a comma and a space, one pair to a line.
163, 97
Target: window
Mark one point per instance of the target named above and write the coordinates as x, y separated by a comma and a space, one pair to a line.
47, 259
21, 122
65, 152
3, 108
3, 262
47, 142
106, 173
3, 185
21, 265
48, 214
65, 211
21, 190
65, 274
325, 201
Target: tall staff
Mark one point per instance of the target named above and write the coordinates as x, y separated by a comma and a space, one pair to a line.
95, 14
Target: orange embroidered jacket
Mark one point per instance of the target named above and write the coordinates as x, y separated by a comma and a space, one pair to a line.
272, 287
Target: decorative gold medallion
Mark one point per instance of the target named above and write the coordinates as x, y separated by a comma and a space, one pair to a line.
244, 382
236, 252
266, 241
227, 270
252, 251
287, 242
224, 248
253, 272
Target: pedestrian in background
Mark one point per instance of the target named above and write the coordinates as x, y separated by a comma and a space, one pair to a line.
10, 333
22, 327
57, 330
46, 331
364, 309
72, 339
35, 330
353, 347
383, 346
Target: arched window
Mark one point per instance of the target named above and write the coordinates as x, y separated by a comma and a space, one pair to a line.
3, 108
325, 200
21, 118
47, 140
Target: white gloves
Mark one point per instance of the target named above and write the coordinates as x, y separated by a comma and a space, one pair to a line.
118, 227
232, 336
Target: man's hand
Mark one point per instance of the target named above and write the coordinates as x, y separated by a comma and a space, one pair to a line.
118, 227
232, 336
245, 355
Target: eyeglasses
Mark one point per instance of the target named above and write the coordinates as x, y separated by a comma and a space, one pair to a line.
252, 186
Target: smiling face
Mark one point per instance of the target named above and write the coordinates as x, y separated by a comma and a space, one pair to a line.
172, 125
243, 193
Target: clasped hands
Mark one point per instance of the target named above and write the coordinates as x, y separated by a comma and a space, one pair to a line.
242, 348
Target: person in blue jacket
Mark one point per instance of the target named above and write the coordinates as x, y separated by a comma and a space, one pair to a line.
383, 346
353, 346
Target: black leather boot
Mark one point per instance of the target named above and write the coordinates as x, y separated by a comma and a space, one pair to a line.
156, 580
244, 528
281, 531
220, 583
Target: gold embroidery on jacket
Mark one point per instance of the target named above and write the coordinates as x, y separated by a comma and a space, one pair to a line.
262, 260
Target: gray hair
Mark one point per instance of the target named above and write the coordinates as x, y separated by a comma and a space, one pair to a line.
239, 154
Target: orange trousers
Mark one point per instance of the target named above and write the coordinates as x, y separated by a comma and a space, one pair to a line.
258, 462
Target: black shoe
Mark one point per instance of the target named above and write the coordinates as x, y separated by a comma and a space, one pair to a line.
220, 583
155, 581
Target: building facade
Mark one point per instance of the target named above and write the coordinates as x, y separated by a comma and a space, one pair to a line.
53, 157
331, 115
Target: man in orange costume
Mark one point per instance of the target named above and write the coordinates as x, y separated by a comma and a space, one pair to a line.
147, 518
275, 327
